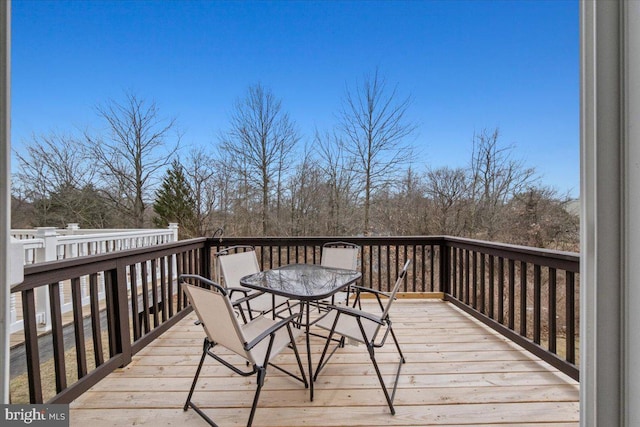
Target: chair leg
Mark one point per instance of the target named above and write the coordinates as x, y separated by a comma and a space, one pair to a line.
371, 349
298, 359
189, 403
289, 307
324, 353
262, 372
242, 315
356, 300
402, 361
372, 356
326, 347
395, 340
195, 379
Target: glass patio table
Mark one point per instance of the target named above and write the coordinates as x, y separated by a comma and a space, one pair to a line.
306, 283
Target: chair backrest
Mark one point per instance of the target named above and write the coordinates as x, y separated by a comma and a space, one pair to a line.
234, 266
395, 289
216, 315
340, 255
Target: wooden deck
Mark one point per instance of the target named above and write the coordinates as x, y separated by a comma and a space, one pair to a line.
458, 372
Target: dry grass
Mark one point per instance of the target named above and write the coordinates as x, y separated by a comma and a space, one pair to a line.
19, 386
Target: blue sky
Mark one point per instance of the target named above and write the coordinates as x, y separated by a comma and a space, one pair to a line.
468, 65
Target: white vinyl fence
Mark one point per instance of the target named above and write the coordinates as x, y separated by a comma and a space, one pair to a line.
48, 244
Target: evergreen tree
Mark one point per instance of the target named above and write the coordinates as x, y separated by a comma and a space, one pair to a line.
174, 201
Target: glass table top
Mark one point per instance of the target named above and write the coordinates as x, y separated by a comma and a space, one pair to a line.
301, 281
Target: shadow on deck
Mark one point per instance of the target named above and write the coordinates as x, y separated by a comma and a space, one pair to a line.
458, 372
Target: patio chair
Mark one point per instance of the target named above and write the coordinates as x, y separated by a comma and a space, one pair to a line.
257, 342
364, 327
340, 255
234, 265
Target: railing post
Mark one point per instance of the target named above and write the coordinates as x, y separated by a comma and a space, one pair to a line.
445, 267
207, 260
48, 253
173, 226
118, 313
72, 227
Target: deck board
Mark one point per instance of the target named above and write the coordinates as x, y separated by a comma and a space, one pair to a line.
458, 372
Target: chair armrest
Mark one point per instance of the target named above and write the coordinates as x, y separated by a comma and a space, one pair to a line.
269, 331
204, 280
244, 291
246, 297
356, 313
371, 291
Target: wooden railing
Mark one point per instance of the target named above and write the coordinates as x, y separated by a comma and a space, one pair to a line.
142, 301
49, 244
381, 258
529, 295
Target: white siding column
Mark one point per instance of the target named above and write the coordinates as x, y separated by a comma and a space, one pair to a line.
5, 192
48, 253
610, 229
631, 296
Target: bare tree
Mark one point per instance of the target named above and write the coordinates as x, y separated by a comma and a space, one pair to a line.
307, 198
232, 203
539, 217
375, 128
447, 190
260, 141
133, 154
200, 170
495, 178
398, 207
338, 170
56, 177
410, 204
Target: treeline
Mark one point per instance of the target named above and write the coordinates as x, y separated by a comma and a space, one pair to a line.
362, 177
